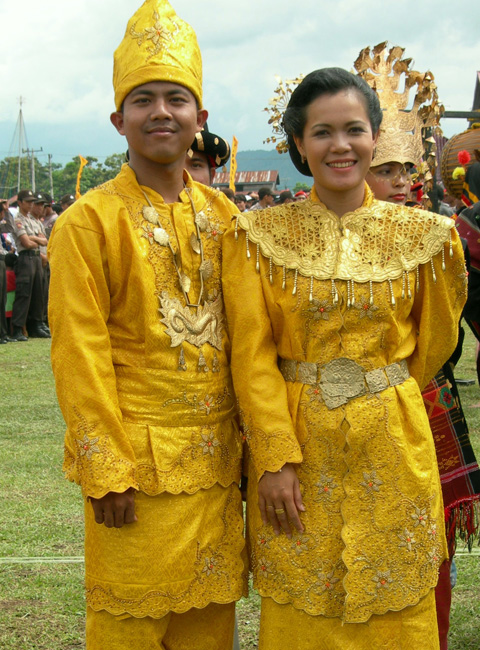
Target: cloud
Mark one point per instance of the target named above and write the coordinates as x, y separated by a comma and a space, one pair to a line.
58, 56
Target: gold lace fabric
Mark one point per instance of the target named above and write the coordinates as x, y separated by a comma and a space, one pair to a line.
374, 535
184, 551
377, 242
141, 412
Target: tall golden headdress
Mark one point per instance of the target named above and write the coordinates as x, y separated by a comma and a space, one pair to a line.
403, 129
157, 46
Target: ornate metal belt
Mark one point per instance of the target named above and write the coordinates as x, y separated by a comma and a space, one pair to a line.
342, 380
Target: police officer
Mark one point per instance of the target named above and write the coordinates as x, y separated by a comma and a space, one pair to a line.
66, 201
29, 277
38, 213
49, 215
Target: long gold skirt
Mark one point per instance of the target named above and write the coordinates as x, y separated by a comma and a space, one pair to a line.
283, 626
185, 551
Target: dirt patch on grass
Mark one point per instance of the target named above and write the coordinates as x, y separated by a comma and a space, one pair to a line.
9, 605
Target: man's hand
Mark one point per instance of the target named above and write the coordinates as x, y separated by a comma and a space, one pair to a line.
115, 509
279, 500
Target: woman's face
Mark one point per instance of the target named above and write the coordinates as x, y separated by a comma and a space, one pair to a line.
338, 142
390, 182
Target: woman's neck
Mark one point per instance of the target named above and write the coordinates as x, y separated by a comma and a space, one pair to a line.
341, 202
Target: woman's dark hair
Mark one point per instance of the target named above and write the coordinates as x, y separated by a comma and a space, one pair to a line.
326, 81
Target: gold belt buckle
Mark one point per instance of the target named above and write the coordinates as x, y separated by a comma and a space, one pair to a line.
341, 380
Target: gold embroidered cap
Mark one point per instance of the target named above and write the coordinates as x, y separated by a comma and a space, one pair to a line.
157, 46
401, 133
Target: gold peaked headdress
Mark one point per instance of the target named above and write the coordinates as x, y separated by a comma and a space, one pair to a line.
157, 46
402, 129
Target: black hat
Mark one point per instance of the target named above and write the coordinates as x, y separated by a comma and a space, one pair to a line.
216, 148
240, 197
67, 198
48, 198
39, 198
25, 195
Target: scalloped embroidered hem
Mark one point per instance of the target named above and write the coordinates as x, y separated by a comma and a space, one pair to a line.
117, 609
154, 487
299, 605
184, 551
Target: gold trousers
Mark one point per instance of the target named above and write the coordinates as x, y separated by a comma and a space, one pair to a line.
210, 628
283, 626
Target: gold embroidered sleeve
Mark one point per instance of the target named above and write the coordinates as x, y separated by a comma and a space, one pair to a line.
98, 454
441, 295
259, 385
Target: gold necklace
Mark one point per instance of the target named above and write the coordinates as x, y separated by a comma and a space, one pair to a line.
161, 236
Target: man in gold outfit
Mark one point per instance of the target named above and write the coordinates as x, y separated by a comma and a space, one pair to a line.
140, 355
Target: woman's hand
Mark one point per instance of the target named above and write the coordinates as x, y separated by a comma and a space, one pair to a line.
280, 500
115, 508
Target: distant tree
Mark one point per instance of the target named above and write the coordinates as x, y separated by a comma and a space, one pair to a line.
93, 174
9, 175
64, 177
114, 163
301, 187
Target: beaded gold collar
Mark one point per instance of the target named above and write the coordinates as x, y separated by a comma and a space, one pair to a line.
377, 242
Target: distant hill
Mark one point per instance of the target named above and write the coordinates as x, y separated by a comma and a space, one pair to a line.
259, 159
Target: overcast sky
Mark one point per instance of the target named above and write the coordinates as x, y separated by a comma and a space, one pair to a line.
57, 55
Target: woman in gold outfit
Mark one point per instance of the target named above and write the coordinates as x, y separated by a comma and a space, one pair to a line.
332, 304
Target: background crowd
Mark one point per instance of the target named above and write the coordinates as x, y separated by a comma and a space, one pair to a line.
25, 227
27, 222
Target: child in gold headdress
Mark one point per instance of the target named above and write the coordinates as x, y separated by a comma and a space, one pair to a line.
140, 356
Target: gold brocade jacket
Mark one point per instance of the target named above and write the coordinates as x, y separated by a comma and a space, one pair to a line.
143, 381
336, 324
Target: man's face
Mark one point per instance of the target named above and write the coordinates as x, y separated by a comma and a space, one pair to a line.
198, 167
159, 120
268, 199
25, 207
241, 205
37, 210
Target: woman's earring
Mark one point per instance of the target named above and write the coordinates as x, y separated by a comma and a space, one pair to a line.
304, 160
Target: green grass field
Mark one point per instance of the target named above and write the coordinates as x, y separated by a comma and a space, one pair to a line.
41, 524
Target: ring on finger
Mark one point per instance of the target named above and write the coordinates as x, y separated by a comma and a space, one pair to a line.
270, 507
279, 511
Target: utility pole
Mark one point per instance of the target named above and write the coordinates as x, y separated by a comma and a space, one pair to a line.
32, 161
21, 131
